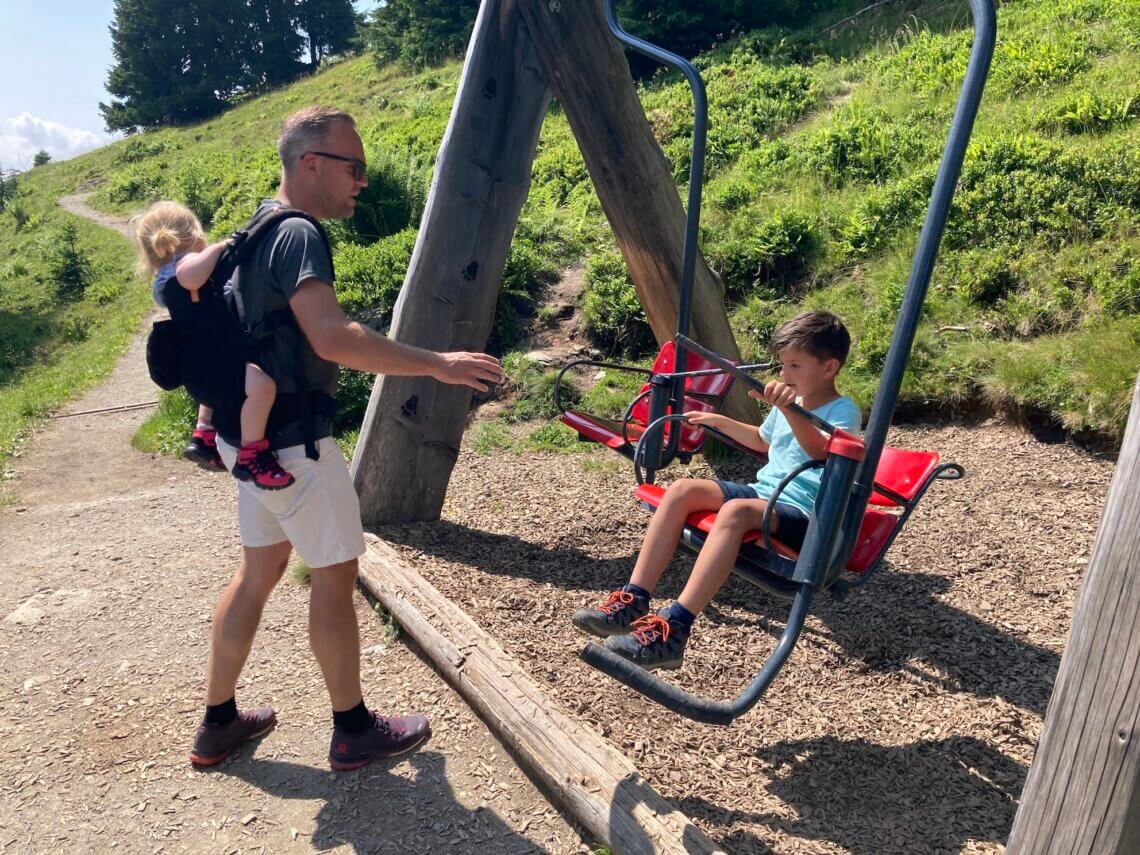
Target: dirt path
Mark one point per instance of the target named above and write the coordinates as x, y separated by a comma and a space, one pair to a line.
112, 561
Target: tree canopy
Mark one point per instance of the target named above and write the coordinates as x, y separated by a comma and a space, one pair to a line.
415, 33
182, 62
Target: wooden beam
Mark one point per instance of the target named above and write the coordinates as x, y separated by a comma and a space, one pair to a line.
586, 775
412, 429
1083, 792
588, 71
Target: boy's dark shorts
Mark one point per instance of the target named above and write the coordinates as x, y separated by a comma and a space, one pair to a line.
791, 522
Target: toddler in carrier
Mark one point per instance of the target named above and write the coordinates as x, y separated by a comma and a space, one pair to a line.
217, 358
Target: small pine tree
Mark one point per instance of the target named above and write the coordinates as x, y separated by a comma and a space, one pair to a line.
70, 265
41, 158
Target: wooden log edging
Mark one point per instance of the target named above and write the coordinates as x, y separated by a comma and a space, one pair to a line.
587, 776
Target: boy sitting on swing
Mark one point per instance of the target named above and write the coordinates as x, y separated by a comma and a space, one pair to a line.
811, 348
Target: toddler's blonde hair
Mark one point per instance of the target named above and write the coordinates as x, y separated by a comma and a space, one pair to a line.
165, 229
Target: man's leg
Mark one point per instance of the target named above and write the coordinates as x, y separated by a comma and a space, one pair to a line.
237, 615
333, 633
359, 736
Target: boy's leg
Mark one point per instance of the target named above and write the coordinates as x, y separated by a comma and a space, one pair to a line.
659, 640
718, 556
664, 533
615, 615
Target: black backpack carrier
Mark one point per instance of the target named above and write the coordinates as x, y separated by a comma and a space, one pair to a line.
174, 354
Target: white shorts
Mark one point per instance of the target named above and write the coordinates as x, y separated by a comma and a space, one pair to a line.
319, 514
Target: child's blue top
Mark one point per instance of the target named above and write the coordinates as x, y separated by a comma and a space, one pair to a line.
785, 454
164, 275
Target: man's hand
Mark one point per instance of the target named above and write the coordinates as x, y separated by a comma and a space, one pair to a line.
777, 394
476, 370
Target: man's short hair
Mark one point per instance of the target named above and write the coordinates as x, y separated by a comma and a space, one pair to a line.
307, 130
819, 333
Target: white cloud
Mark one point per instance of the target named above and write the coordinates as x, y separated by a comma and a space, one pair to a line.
23, 136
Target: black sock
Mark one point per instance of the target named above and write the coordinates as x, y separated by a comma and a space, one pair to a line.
222, 713
637, 591
677, 613
355, 720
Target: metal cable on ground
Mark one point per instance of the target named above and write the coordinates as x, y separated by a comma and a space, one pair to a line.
124, 408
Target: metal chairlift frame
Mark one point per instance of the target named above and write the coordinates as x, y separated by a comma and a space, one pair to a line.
848, 478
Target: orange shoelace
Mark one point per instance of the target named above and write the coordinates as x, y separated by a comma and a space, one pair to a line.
615, 601
648, 629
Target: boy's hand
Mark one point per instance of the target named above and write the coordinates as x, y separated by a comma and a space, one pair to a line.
700, 417
778, 394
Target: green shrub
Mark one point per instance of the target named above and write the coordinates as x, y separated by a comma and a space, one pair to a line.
369, 277
394, 198
611, 313
772, 254
140, 182
1091, 112
533, 386
198, 191
864, 144
352, 393
555, 437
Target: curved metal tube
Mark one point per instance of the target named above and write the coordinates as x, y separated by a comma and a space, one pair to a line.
577, 362
659, 425
629, 412
770, 505
697, 162
690, 706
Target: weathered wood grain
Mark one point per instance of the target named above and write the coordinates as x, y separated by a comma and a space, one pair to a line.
1083, 792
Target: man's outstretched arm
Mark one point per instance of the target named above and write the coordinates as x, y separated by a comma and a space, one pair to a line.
353, 345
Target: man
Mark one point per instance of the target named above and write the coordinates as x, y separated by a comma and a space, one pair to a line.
322, 171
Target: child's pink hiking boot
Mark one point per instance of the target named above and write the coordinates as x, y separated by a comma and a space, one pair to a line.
203, 449
258, 464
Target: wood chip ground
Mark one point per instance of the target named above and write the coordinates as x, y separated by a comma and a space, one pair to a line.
905, 720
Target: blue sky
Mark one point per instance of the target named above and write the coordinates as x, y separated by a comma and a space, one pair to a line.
54, 58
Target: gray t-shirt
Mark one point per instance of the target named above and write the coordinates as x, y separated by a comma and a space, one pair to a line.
291, 254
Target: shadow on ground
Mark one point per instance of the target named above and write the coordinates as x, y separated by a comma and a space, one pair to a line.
375, 810
897, 619
871, 799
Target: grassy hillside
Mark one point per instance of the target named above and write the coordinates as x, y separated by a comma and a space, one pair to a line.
822, 152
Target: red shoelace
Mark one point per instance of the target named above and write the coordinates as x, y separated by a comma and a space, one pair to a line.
648, 629
615, 601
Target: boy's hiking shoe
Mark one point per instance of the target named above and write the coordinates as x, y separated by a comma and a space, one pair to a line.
214, 742
655, 642
258, 464
389, 736
203, 450
614, 616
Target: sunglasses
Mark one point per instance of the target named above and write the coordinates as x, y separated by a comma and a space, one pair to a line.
358, 167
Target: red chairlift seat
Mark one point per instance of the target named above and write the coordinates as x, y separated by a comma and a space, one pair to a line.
904, 474
705, 393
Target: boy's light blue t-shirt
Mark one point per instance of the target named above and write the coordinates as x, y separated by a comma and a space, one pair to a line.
785, 454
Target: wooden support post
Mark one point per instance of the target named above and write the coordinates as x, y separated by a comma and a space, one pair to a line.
410, 437
1083, 792
589, 778
587, 68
